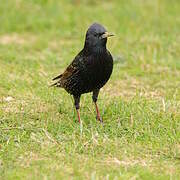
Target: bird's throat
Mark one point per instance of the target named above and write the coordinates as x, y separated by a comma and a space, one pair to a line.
95, 49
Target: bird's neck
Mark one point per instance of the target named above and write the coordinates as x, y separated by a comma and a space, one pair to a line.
95, 49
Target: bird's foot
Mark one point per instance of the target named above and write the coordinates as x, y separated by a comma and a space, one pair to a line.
99, 118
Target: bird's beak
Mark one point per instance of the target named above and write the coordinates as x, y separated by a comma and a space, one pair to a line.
107, 34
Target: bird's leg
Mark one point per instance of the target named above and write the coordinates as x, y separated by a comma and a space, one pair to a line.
76, 103
95, 97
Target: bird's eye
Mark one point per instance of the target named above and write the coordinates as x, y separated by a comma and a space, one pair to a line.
98, 34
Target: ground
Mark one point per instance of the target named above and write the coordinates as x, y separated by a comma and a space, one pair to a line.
40, 137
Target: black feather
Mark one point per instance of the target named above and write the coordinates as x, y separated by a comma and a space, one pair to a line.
91, 68
57, 77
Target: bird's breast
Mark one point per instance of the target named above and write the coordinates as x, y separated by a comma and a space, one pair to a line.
98, 70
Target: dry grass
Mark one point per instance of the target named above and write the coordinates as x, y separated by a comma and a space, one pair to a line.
140, 105
17, 39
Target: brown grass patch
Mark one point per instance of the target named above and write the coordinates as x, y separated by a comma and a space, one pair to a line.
29, 157
129, 88
15, 38
128, 162
14, 105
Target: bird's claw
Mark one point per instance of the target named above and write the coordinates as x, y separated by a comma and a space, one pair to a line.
99, 118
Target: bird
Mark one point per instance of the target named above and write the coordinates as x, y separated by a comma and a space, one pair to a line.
90, 70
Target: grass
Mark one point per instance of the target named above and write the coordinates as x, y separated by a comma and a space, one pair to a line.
39, 134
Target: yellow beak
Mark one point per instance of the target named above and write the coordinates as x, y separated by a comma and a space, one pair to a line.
107, 34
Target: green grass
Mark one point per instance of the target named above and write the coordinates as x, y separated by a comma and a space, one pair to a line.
39, 134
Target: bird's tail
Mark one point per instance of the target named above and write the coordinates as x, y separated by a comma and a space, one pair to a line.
54, 84
58, 83
57, 77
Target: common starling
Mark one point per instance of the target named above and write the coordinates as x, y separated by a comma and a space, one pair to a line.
90, 69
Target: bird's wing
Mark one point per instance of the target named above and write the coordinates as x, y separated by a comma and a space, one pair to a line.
74, 66
70, 70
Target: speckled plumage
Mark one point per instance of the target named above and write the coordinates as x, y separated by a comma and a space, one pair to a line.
91, 68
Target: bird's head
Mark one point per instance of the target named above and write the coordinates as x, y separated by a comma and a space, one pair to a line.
96, 36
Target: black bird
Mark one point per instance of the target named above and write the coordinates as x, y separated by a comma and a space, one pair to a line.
90, 69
